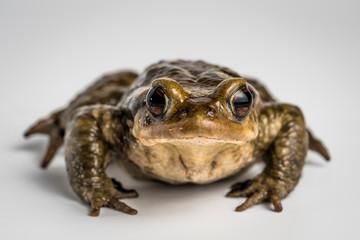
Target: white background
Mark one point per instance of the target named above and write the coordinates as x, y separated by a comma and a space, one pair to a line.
306, 52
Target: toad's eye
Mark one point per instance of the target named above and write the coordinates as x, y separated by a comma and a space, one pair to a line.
157, 101
240, 102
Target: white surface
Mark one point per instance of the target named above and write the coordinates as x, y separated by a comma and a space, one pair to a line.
307, 53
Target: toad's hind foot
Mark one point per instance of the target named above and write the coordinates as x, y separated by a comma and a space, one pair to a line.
51, 127
317, 146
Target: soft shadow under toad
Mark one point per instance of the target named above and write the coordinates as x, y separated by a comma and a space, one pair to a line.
36, 147
53, 180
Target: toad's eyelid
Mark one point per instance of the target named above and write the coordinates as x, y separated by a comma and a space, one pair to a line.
227, 87
167, 106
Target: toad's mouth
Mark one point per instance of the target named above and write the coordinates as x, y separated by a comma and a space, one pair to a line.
196, 140
199, 130
193, 134
150, 138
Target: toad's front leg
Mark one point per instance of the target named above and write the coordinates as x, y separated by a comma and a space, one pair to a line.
90, 138
284, 138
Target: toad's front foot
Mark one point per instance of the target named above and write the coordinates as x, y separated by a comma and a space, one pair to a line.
109, 197
262, 188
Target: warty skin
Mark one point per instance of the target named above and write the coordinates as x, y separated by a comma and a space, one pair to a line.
179, 122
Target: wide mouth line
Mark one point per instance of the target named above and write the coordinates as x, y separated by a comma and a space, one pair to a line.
193, 139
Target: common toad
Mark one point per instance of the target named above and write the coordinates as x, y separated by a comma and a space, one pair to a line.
179, 122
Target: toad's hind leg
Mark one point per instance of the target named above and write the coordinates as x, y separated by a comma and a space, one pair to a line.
51, 127
106, 90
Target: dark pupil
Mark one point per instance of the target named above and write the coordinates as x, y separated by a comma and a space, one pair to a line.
156, 101
242, 102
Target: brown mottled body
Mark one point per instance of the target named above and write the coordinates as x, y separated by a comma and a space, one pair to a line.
179, 122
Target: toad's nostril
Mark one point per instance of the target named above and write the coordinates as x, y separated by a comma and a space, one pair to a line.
211, 112
185, 112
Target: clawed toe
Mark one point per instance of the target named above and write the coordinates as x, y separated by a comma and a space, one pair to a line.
96, 204
122, 192
121, 206
252, 200
113, 203
275, 199
242, 189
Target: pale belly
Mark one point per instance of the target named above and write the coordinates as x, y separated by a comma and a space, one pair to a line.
184, 162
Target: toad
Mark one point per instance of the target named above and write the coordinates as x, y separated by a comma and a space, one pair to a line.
179, 122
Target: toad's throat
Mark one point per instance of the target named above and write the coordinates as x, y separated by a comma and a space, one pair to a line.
185, 162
